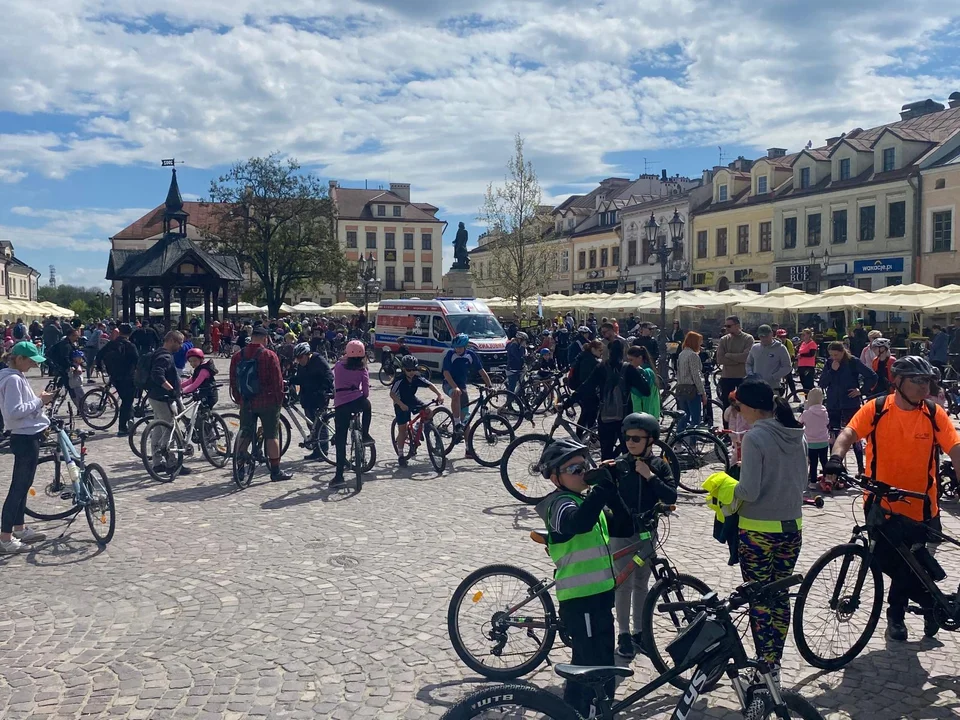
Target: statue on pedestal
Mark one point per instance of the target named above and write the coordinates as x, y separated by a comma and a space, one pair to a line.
461, 258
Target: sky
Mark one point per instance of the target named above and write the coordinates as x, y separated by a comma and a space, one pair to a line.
94, 93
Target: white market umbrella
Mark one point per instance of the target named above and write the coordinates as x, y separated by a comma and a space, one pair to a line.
285, 309
897, 302
342, 307
783, 298
836, 302
943, 303
243, 307
307, 307
911, 289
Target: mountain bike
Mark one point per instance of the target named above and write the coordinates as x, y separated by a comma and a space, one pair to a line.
315, 434
503, 623
420, 429
390, 366
84, 489
486, 432
948, 488
709, 645
100, 407
699, 452
194, 424
838, 605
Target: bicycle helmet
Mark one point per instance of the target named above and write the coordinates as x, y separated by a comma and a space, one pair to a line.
76, 354
558, 452
461, 340
642, 421
544, 351
195, 352
881, 342
355, 349
522, 337
913, 366
301, 349
409, 362
781, 333
584, 329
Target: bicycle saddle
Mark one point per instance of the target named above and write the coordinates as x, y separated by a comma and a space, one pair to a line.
591, 674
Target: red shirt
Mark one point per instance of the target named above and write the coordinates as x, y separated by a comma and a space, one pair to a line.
269, 374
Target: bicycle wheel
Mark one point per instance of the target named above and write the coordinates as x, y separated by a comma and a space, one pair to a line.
356, 442
173, 449
438, 458
244, 464
386, 374
838, 607
700, 454
134, 433
520, 469
488, 641
539, 396
713, 414
512, 701
509, 406
324, 429
284, 433
761, 706
443, 422
660, 629
665, 452
100, 510
406, 451
232, 420
99, 408
488, 439
51, 498
215, 440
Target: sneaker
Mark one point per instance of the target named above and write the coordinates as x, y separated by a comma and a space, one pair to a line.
402, 462
625, 646
315, 455
122, 433
338, 482
29, 535
278, 475
638, 643
184, 470
467, 455
896, 628
930, 625
160, 469
11, 546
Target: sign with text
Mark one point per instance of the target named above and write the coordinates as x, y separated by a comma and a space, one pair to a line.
880, 265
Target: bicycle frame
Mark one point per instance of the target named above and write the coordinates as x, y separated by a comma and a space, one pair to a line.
193, 411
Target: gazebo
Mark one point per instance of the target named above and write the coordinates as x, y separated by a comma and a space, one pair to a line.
174, 264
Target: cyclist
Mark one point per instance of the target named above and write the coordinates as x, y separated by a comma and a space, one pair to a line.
351, 394
202, 381
903, 431
403, 392
546, 363
460, 364
882, 364
516, 357
119, 358
314, 379
578, 536
163, 389
58, 356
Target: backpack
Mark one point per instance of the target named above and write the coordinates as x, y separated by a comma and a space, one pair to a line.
612, 398
141, 376
248, 377
19, 331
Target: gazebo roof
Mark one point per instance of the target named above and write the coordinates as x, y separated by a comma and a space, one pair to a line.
165, 256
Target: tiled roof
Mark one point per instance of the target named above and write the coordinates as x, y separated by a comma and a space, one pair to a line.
354, 204
203, 215
566, 203
855, 142
908, 134
165, 255
819, 154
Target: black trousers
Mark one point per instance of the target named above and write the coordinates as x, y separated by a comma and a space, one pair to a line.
904, 585
807, 377
589, 621
341, 423
609, 435
588, 412
127, 394
815, 455
26, 454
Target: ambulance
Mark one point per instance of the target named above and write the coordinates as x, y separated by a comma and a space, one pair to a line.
428, 326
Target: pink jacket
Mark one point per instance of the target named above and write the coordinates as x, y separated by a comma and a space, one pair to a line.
816, 424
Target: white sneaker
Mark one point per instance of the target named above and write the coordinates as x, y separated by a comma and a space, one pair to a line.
11, 546
29, 535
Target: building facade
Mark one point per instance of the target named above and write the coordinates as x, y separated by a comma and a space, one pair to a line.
940, 182
18, 281
556, 249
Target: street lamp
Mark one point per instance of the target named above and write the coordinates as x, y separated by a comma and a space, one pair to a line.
823, 262
663, 252
367, 279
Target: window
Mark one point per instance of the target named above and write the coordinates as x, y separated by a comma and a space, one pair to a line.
390, 241
408, 241
762, 185
391, 278
722, 194
351, 238
789, 233
565, 261
396, 211
701, 244
868, 222
766, 230
813, 229
845, 169
440, 330
721, 241
804, 178
381, 210
581, 260
839, 227
426, 241
942, 231
604, 257
743, 239
940, 184
371, 240
593, 259
408, 274
615, 256
893, 280
898, 219
427, 274
889, 159
631, 253
570, 223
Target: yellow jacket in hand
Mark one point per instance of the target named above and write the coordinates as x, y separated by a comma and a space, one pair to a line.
720, 488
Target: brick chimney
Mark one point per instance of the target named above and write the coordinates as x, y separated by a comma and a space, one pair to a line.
776, 152
401, 190
333, 190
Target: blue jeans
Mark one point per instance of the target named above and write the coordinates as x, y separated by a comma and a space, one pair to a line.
513, 377
693, 409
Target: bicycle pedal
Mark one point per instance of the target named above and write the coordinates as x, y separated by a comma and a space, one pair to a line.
66, 496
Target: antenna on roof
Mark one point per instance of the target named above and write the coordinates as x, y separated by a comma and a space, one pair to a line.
722, 156
647, 164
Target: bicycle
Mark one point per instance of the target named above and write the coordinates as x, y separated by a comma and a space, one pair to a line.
700, 453
710, 645
99, 407
390, 365
948, 487
192, 424
487, 448
87, 488
511, 618
847, 587
315, 434
421, 429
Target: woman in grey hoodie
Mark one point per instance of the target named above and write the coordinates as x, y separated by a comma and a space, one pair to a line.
770, 491
23, 418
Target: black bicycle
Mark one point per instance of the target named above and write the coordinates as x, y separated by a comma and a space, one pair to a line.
838, 605
709, 645
486, 432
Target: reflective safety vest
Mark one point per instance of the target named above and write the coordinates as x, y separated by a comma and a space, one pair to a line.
584, 565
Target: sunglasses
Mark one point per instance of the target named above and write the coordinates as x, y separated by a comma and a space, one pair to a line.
410, 370
919, 380
575, 469
637, 438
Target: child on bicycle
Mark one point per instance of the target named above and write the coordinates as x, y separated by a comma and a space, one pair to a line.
578, 535
546, 363
202, 381
75, 377
351, 387
403, 392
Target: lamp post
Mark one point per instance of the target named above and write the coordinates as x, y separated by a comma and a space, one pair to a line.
663, 253
823, 262
367, 279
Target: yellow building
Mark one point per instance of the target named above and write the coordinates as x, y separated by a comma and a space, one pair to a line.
596, 256
939, 263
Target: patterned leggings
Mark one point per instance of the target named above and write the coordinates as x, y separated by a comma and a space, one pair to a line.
766, 557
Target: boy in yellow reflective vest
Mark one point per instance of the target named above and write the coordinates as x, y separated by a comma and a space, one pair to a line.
578, 535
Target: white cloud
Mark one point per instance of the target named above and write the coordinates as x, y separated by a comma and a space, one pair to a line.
82, 230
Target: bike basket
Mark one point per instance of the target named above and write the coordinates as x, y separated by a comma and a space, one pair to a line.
692, 642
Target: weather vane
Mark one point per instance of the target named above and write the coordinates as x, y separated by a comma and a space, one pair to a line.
169, 163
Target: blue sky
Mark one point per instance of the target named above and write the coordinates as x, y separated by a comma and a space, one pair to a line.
95, 92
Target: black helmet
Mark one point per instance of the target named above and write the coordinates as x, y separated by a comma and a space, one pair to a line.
642, 421
913, 366
409, 362
558, 452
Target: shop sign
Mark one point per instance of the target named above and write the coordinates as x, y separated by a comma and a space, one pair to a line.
881, 265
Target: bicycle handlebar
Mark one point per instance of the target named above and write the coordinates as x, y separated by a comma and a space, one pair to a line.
743, 595
879, 489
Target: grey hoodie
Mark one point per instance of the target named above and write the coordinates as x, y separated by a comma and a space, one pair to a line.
22, 410
772, 362
773, 473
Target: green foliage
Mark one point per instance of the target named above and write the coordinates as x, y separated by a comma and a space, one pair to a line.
81, 308
95, 302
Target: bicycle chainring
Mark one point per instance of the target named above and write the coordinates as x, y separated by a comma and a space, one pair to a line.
951, 624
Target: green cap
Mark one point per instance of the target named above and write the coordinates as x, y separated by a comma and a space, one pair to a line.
27, 349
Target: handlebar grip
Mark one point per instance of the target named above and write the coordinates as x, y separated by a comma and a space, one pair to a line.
675, 606
779, 586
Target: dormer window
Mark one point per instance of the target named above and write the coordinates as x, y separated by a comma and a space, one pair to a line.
762, 185
722, 194
381, 210
889, 159
396, 211
804, 178
845, 169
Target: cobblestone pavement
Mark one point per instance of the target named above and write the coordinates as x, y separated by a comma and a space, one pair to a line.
289, 600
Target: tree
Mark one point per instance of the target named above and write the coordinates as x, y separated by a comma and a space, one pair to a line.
96, 302
519, 256
80, 308
279, 222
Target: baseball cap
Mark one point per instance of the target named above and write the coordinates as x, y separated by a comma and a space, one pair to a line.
27, 349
